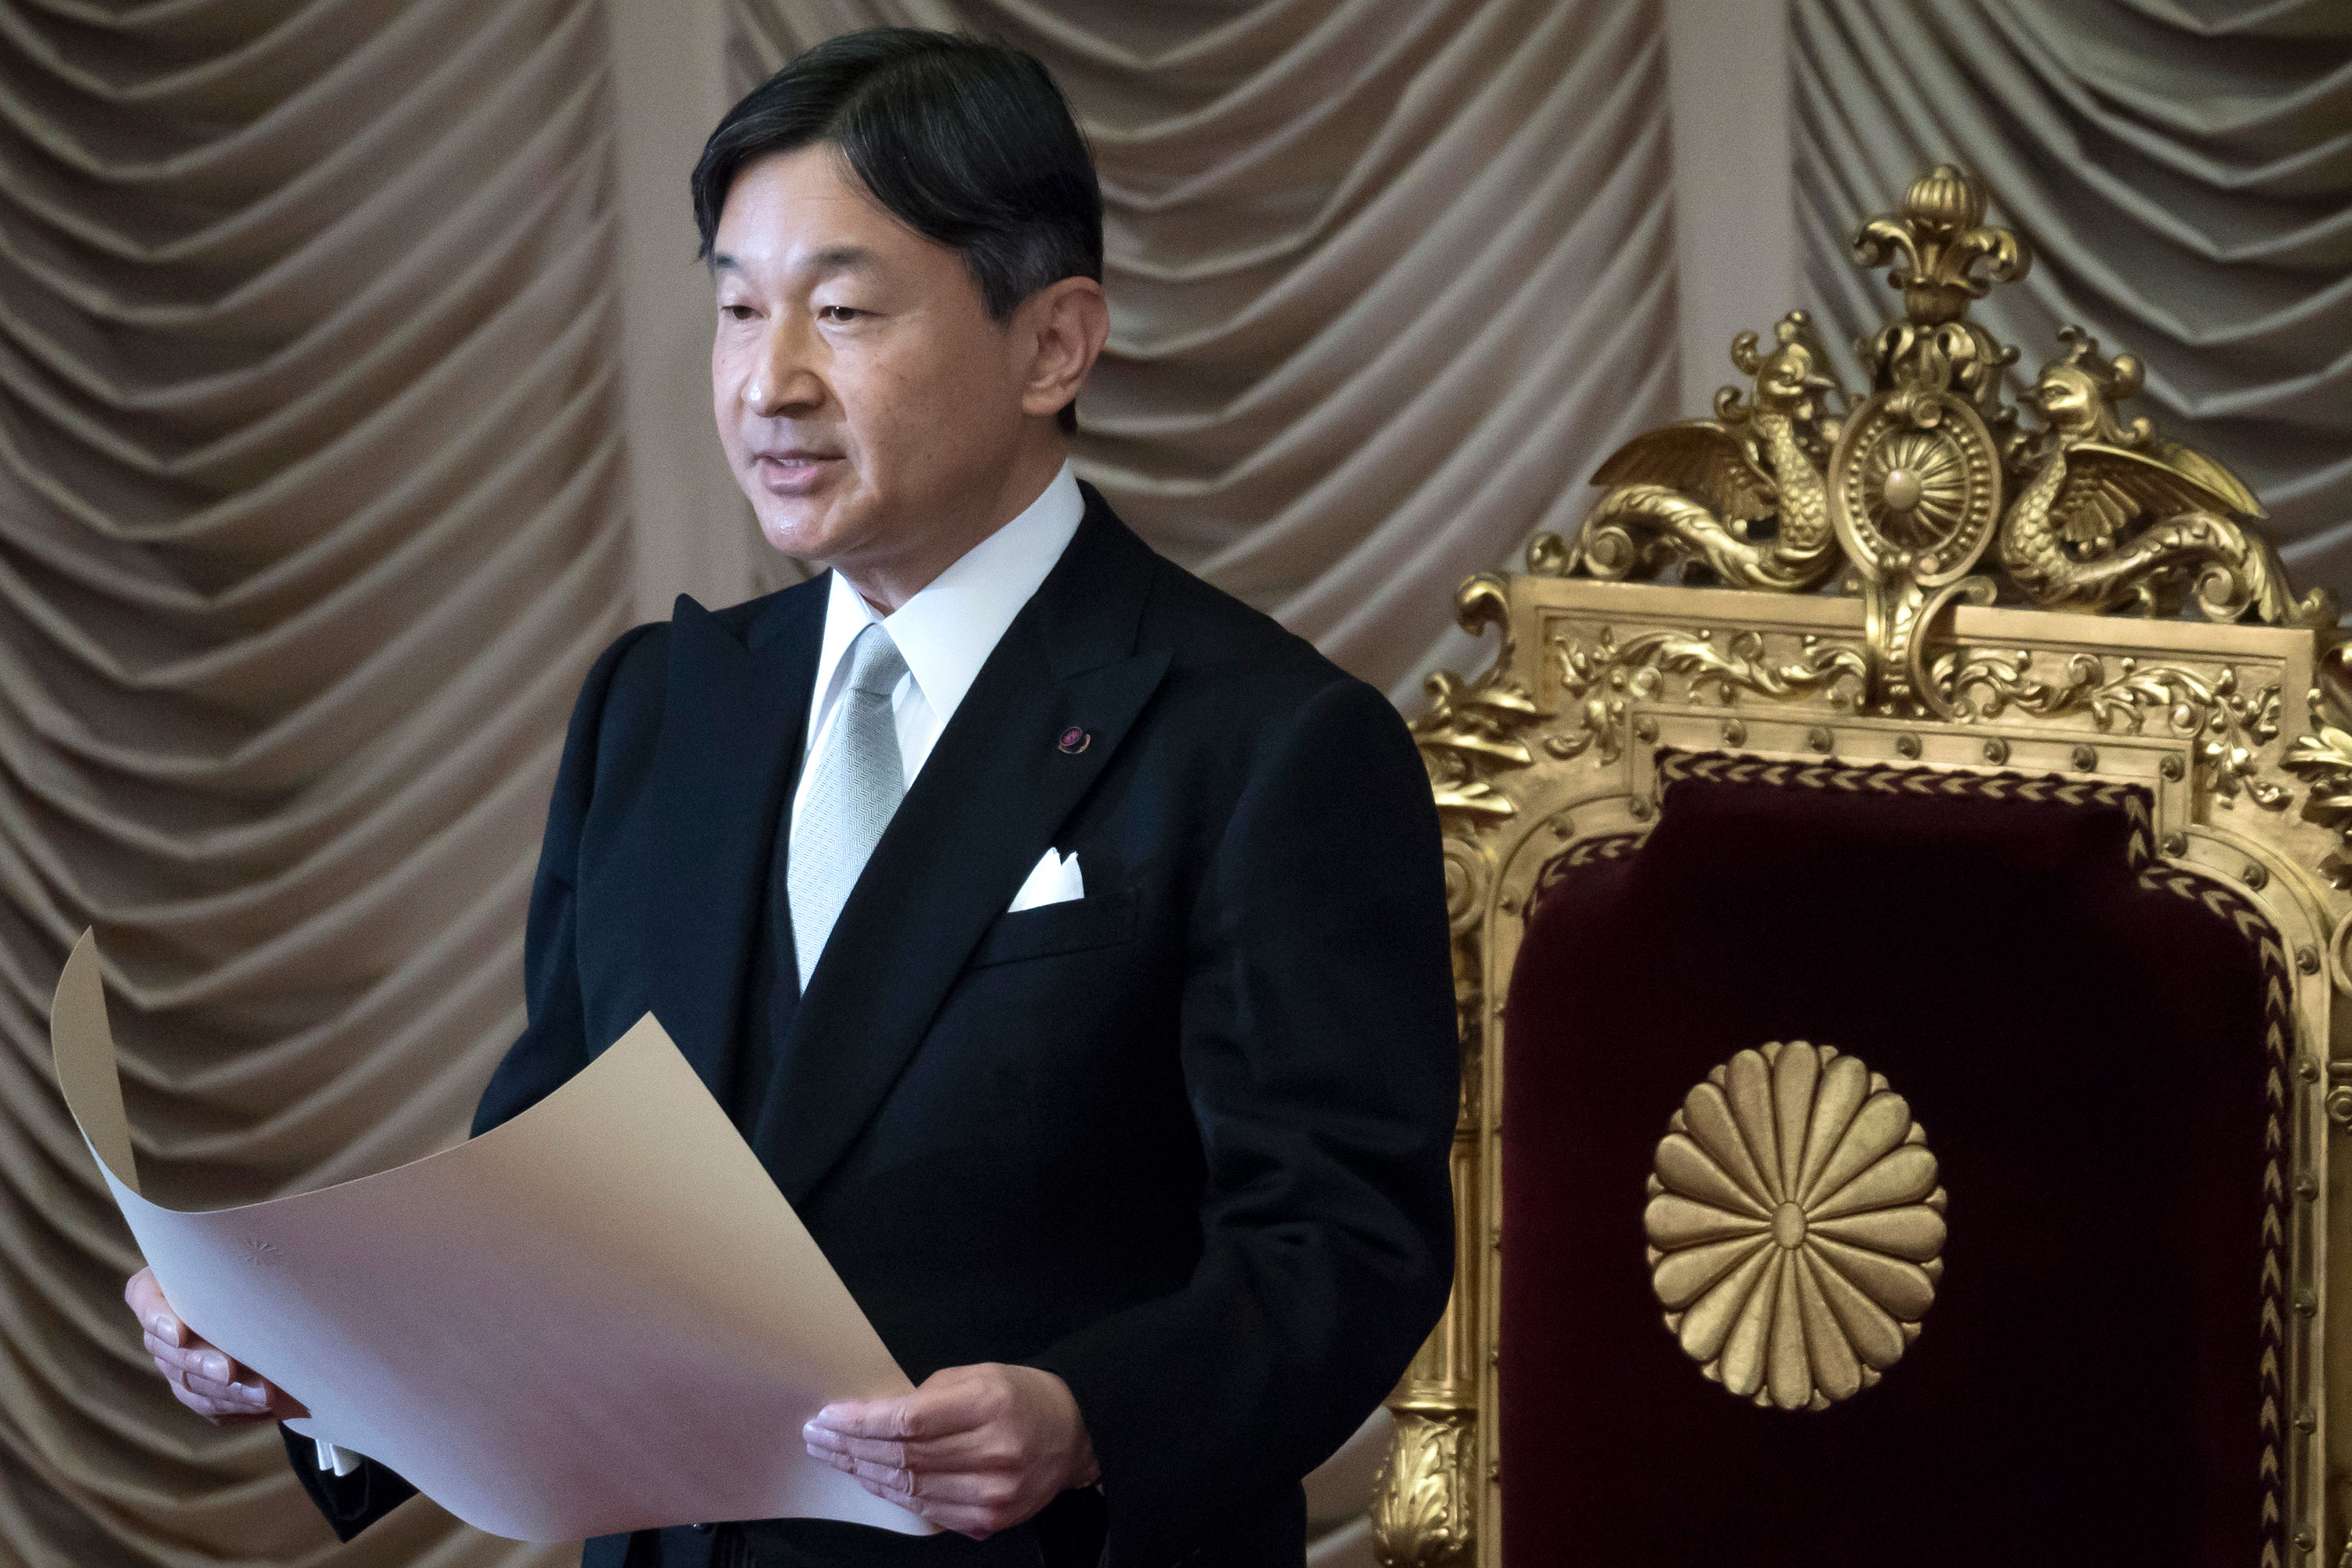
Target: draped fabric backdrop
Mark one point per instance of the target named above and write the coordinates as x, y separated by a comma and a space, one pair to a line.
310, 520
323, 471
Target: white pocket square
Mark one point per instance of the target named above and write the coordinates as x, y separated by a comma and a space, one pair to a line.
1054, 880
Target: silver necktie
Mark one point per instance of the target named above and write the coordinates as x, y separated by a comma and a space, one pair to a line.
850, 798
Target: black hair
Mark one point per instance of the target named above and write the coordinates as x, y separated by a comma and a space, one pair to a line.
967, 142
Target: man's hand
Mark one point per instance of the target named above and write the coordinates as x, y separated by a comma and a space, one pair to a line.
976, 1450
202, 1378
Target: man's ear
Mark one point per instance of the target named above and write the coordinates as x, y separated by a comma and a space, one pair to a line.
1065, 325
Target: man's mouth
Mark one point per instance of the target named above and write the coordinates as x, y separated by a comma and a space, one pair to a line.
787, 470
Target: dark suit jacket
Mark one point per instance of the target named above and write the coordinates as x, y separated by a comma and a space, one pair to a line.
1182, 1142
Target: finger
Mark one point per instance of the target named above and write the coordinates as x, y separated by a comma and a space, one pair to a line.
212, 1409
926, 1413
202, 1364
143, 1295
195, 1356
205, 1362
165, 1325
908, 1484
922, 1506
165, 1350
979, 1523
898, 1418
247, 1396
894, 1483
987, 1447
947, 1487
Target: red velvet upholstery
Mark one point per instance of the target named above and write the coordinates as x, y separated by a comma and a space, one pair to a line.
2086, 1055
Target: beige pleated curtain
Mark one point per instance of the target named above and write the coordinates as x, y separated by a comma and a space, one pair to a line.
311, 518
316, 480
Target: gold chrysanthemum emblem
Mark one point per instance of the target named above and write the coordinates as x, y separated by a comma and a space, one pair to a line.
1796, 1226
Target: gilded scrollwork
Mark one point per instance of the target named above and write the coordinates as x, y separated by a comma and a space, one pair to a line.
2321, 757
1422, 1498
2227, 724
1599, 680
1469, 876
1471, 730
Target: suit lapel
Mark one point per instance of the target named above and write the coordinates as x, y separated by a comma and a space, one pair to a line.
730, 744
988, 804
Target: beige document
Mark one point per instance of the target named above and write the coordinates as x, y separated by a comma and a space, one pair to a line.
602, 1316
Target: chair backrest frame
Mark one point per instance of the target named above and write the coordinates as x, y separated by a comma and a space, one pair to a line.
2229, 733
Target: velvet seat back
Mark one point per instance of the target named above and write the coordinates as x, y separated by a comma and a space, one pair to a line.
2084, 1051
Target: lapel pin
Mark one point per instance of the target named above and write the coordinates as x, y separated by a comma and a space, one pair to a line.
1075, 740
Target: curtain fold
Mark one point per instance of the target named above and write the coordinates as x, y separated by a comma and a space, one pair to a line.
2185, 172
312, 515
1317, 394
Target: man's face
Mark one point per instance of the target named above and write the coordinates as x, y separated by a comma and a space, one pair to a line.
863, 394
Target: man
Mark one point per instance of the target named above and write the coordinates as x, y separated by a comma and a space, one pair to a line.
1067, 938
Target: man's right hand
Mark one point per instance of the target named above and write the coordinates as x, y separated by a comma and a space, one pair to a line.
202, 1377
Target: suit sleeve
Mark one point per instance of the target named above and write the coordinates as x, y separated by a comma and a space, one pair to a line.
554, 1042
1321, 1057
553, 1045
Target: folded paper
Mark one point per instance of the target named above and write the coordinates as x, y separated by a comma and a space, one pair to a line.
602, 1316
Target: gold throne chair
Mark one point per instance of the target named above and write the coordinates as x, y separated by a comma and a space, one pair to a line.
1898, 958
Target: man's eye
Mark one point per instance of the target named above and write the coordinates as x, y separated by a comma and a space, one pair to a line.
838, 313
737, 312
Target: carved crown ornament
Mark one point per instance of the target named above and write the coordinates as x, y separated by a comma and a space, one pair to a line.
1958, 579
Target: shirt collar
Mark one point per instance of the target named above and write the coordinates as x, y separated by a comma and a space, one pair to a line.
946, 631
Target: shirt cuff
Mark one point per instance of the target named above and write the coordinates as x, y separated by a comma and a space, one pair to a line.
341, 1461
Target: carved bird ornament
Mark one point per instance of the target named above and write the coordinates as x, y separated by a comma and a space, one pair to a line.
1689, 492
2115, 517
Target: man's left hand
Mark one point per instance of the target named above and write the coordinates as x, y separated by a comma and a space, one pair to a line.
976, 1449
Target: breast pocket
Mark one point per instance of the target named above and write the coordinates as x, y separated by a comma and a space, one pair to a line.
1105, 920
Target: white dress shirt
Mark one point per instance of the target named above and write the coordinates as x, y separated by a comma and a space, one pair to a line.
946, 631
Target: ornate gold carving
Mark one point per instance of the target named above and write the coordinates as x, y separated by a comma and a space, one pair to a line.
1470, 730
2103, 515
1468, 875
1688, 493
2227, 728
1915, 488
2067, 540
1599, 680
1936, 243
1421, 1498
1796, 1226
2323, 757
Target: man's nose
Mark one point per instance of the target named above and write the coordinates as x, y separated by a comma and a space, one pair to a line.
784, 378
